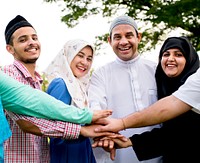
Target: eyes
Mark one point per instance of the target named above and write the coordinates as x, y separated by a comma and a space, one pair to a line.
129, 35
23, 39
82, 56
175, 54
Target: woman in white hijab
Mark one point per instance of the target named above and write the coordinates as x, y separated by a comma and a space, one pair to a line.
69, 75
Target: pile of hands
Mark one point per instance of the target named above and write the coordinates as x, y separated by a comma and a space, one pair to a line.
105, 132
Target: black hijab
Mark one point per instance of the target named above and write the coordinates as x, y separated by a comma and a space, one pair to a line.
166, 85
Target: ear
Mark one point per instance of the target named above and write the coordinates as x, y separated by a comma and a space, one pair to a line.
9, 48
139, 37
109, 39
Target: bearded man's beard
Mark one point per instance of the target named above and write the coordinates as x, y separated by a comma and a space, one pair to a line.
30, 61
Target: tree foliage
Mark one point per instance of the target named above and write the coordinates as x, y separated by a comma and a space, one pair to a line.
158, 17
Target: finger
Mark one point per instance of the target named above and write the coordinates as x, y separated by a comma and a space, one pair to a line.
100, 143
95, 144
106, 113
105, 138
97, 138
111, 144
100, 134
105, 143
122, 138
112, 154
116, 135
118, 143
97, 114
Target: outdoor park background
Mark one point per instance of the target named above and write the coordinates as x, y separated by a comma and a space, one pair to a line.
46, 18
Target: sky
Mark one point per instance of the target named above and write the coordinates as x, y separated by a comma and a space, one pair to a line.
52, 33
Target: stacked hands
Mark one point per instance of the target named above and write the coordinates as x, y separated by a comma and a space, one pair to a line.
105, 132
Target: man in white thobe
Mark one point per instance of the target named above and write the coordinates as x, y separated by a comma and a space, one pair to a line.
124, 85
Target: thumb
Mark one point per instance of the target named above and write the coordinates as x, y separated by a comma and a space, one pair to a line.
100, 129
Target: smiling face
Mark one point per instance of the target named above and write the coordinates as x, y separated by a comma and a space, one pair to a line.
25, 45
82, 62
124, 41
173, 62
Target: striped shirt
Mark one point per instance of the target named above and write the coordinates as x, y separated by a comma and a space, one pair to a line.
28, 148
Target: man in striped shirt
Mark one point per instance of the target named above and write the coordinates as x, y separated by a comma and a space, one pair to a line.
22, 42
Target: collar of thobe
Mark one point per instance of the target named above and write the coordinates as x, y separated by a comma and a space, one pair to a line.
127, 63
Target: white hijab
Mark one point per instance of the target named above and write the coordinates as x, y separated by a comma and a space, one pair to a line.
60, 68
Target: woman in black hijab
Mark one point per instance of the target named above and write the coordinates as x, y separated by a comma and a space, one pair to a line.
167, 85
178, 139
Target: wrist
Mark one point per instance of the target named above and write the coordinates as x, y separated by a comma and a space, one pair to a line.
81, 130
129, 143
123, 124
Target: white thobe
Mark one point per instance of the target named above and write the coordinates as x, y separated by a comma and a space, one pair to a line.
125, 87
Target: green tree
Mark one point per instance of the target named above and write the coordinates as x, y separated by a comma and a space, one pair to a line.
45, 82
159, 17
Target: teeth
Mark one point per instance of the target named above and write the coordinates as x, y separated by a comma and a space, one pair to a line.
31, 50
170, 65
124, 48
82, 68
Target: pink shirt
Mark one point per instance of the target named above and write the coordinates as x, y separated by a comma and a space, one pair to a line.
29, 148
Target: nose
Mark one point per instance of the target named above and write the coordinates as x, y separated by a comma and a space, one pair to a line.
171, 57
123, 41
31, 41
84, 61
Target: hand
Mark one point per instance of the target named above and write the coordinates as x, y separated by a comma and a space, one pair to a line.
120, 143
97, 114
108, 144
88, 131
110, 124
106, 141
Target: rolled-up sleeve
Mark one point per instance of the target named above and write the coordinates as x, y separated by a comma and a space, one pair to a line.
190, 92
51, 128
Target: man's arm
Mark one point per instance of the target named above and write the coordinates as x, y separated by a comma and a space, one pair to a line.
23, 99
44, 127
71, 131
161, 111
181, 101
